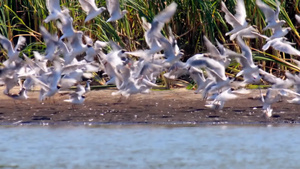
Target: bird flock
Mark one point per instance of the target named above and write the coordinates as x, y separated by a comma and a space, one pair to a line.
62, 66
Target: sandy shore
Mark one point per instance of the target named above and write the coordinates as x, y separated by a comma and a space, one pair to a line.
178, 106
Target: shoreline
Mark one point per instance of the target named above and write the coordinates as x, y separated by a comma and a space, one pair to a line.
145, 124
178, 107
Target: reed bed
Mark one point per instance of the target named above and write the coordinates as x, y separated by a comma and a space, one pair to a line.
193, 19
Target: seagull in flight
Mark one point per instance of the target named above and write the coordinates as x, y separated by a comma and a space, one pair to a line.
237, 21
281, 45
89, 6
54, 9
113, 7
153, 32
12, 52
77, 97
271, 15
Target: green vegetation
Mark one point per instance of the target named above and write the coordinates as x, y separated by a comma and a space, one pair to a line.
193, 19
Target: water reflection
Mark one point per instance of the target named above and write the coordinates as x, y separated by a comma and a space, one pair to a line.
150, 147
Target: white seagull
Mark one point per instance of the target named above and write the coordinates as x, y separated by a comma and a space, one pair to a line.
54, 9
237, 21
89, 6
270, 14
77, 97
113, 7
153, 31
12, 52
281, 45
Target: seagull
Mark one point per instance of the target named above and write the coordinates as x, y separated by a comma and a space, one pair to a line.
12, 52
173, 41
219, 101
90, 51
295, 79
278, 32
51, 43
295, 100
237, 21
10, 70
77, 47
246, 51
154, 29
169, 51
220, 54
40, 63
70, 79
228, 53
77, 97
49, 82
147, 69
113, 7
272, 96
135, 86
113, 62
66, 27
271, 15
89, 6
215, 69
250, 71
87, 87
213, 51
9, 76
216, 83
281, 45
200, 61
177, 69
277, 83
200, 80
248, 32
54, 9
10, 82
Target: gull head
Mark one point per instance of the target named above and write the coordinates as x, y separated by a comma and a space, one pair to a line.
124, 12
102, 9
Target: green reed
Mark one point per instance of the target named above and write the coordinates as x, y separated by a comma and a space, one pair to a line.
192, 20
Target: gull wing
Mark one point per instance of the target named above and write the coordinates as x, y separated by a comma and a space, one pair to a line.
214, 52
165, 15
285, 47
6, 43
38, 81
161, 18
88, 5
229, 17
113, 6
53, 5
21, 42
245, 50
240, 10
267, 10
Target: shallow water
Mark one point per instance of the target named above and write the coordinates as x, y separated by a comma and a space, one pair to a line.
122, 146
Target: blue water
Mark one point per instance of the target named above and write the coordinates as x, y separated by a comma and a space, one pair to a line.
144, 147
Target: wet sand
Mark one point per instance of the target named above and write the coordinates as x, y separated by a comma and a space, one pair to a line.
177, 106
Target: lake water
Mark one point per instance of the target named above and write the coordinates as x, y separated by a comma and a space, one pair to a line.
143, 147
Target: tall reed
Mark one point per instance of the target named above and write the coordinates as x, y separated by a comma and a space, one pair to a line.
193, 19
